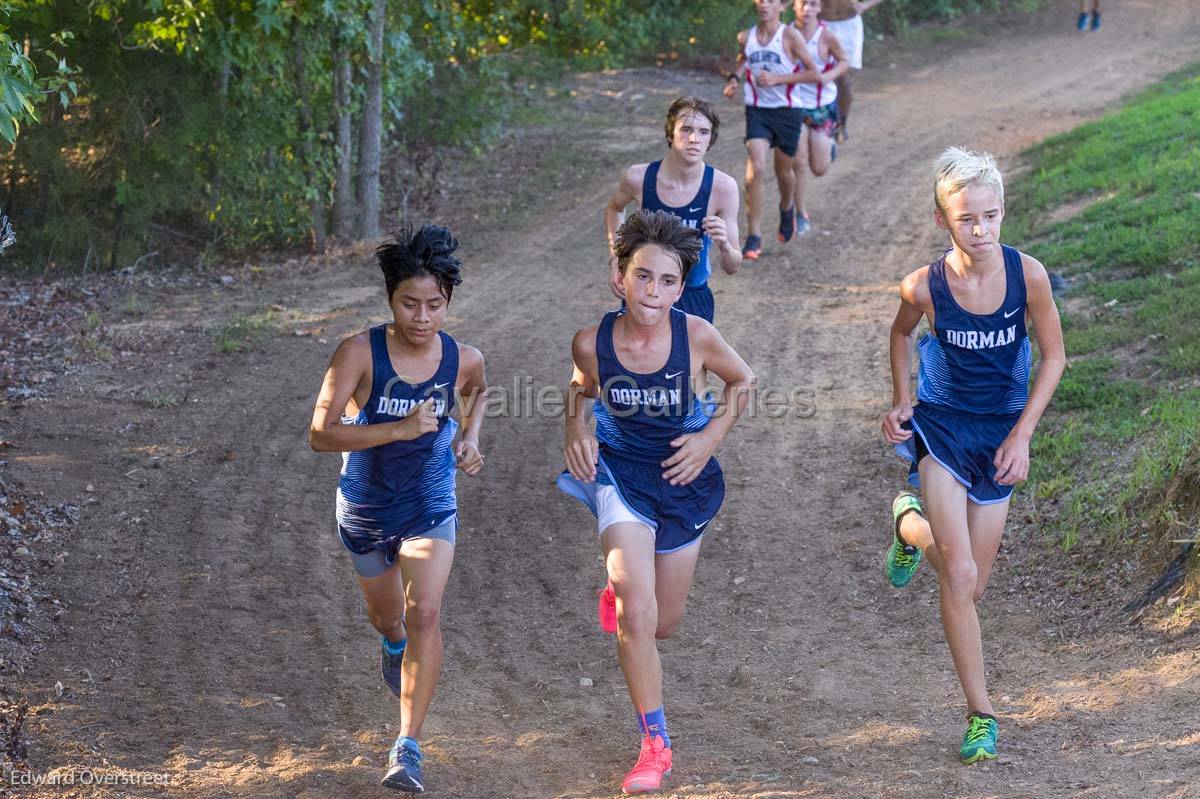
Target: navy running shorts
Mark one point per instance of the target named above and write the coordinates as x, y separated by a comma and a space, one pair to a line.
698, 301
677, 515
962, 444
373, 557
779, 126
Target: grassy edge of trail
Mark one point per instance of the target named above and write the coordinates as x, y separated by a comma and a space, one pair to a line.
1114, 207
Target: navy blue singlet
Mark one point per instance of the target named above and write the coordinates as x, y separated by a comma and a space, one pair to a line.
976, 363
638, 415
691, 214
405, 487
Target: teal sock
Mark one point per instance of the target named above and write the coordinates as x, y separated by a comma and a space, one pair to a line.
395, 649
655, 723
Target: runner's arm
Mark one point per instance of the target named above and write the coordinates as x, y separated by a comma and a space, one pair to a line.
797, 50
863, 6
1012, 458
722, 226
914, 300
350, 369
629, 189
839, 54
580, 448
695, 449
472, 402
739, 62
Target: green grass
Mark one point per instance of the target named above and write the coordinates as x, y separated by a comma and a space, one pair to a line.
1118, 456
244, 332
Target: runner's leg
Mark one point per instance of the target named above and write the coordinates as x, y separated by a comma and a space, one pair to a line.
946, 507
629, 556
673, 573
425, 563
756, 172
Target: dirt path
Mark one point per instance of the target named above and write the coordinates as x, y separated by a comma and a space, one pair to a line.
217, 635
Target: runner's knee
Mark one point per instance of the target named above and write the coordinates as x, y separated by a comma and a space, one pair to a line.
423, 615
959, 577
385, 621
637, 617
666, 628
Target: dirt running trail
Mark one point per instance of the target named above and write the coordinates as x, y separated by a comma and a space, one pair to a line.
217, 634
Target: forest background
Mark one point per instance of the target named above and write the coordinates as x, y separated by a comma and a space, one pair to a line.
191, 129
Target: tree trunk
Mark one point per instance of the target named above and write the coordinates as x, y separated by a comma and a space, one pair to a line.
343, 181
307, 154
369, 150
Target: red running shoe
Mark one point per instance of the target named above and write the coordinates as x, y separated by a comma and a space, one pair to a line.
606, 610
652, 767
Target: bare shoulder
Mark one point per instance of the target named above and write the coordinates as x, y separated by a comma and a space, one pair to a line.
584, 343
1034, 272
701, 332
793, 36
635, 174
724, 182
469, 357
353, 349
914, 288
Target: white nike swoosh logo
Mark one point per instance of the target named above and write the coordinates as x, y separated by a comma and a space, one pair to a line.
695, 210
670, 376
440, 385
1010, 313
701, 524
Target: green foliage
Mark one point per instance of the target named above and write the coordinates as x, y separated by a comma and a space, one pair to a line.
1120, 450
244, 332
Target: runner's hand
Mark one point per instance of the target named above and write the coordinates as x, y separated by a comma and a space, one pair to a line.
692, 454
892, 431
1012, 460
615, 283
582, 453
731, 88
468, 457
714, 228
768, 79
421, 420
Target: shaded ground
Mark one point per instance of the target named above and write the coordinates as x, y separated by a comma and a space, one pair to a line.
214, 632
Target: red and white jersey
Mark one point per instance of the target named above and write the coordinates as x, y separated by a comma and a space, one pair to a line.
768, 58
814, 95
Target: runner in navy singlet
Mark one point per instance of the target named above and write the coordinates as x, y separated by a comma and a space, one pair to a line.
703, 197
968, 435
387, 403
648, 473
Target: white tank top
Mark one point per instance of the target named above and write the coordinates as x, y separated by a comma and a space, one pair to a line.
814, 95
771, 58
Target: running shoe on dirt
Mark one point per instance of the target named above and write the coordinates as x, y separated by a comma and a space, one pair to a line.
1096, 21
1083, 22
803, 225
390, 665
606, 610
753, 248
902, 560
979, 741
787, 224
404, 767
652, 767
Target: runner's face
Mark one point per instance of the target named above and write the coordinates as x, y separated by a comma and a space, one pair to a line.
769, 10
973, 217
419, 308
653, 282
692, 137
807, 10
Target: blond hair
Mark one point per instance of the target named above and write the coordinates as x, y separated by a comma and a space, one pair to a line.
956, 169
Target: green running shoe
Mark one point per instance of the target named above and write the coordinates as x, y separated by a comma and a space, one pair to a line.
979, 741
901, 561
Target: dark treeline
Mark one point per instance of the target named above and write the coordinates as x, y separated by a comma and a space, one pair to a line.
217, 125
